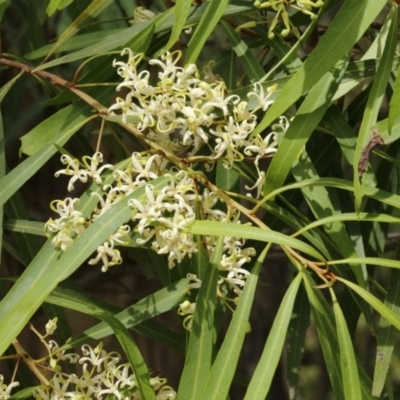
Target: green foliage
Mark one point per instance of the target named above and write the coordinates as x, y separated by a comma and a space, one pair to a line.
312, 86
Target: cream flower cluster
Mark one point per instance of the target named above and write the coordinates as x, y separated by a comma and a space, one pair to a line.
102, 375
5, 390
162, 217
184, 114
281, 7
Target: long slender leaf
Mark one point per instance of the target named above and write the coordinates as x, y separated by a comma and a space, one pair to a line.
308, 116
251, 232
212, 14
181, 11
296, 336
374, 102
223, 369
381, 308
50, 267
387, 336
145, 309
132, 352
199, 355
351, 380
250, 64
325, 324
350, 23
260, 383
94, 9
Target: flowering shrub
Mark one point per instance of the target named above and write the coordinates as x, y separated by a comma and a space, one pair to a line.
229, 136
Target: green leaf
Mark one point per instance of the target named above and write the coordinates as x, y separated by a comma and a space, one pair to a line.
213, 13
383, 310
50, 267
2, 173
387, 334
303, 169
352, 20
24, 171
306, 120
132, 352
383, 262
110, 42
296, 336
56, 129
181, 11
92, 11
199, 354
55, 5
324, 321
261, 381
251, 232
252, 67
224, 366
349, 217
394, 105
375, 101
227, 178
145, 309
378, 194
32, 227
26, 393
351, 380
4, 89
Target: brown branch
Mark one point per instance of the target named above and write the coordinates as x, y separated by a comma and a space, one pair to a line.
57, 81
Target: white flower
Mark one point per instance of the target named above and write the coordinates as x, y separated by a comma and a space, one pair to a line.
51, 326
5, 390
108, 256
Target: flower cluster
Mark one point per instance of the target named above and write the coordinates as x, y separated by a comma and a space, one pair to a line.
183, 113
5, 390
281, 7
101, 375
185, 116
161, 217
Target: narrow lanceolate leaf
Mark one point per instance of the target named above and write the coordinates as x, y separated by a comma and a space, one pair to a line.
147, 308
387, 333
51, 267
296, 336
325, 324
4, 89
308, 116
56, 129
387, 336
23, 226
382, 309
199, 355
343, 32
373, 105
2, 173
213, 13
55, 5
181, 11
132, 352
375, 193
92, 11
250, 63
261, 381
394, 105
111, 42
224, 367
252, 232
351, 380
10, 183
